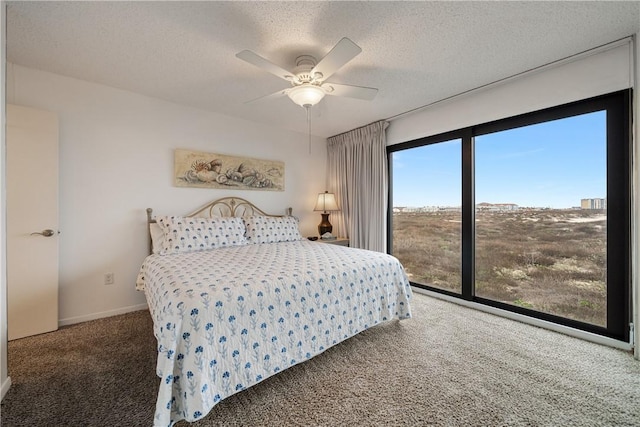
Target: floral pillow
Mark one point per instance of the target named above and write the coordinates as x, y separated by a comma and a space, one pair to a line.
266, 229
188, 234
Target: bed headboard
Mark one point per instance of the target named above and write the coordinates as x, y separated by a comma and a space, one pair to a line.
224, 207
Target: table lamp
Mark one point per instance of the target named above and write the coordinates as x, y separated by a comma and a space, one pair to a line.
326, 202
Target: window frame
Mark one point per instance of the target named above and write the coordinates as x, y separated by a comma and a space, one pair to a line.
619, 154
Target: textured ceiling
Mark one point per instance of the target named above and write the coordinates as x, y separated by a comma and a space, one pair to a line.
414, 52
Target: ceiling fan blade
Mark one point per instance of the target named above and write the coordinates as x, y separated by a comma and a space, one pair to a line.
359, 92
277, 94
344, 51
260, 62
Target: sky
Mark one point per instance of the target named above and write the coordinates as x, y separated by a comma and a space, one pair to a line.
552, 164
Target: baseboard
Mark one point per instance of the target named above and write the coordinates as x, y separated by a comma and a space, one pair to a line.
100, 315
587, 336
5, 387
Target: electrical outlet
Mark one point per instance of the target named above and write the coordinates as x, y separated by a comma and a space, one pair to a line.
108, 278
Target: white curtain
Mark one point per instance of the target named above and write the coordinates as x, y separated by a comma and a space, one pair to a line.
357, 174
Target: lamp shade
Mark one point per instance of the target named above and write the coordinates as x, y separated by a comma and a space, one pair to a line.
306, 95
326, 202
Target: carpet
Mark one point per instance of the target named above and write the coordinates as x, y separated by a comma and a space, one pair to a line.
448, 366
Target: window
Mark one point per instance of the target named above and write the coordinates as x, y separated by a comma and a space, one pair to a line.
541, 229
543, 220
427, 216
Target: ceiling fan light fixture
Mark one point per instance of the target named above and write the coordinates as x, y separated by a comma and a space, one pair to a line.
306, 95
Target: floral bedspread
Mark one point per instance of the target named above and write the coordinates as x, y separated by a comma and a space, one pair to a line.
226, 319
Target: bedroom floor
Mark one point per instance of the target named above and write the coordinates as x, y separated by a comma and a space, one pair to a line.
447, 366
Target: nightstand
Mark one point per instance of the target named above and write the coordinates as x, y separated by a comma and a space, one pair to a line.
341, 241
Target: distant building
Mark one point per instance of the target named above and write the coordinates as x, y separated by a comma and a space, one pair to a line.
593, 204
425, 209
497, 207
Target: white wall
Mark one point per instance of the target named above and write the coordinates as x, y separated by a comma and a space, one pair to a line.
5, 381
635, 242
116, 159
581, 77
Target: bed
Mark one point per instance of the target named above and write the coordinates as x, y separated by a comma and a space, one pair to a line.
237, 295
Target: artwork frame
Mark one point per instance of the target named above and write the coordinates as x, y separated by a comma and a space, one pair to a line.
220, 171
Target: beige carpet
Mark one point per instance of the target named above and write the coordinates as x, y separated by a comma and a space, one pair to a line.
448, 366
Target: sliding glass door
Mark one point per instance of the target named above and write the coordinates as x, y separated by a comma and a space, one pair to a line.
427, 217
542, 227
541, 224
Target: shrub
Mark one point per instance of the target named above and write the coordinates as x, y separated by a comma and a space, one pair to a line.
555, 263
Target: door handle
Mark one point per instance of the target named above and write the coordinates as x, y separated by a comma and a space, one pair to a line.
45, 233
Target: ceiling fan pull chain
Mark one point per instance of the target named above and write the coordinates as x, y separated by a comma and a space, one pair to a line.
308, 108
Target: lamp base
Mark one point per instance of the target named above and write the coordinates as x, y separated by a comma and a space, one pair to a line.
324, 226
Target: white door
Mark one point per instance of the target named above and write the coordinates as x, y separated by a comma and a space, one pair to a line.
32, 207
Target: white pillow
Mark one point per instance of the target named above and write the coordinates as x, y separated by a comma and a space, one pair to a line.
188, 234
267, 229
157, 237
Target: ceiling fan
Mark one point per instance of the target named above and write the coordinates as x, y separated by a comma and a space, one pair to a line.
308, 80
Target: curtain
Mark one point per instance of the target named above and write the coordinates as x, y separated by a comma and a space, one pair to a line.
357, 174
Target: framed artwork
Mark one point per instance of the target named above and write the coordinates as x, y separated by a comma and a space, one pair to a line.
209, 170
